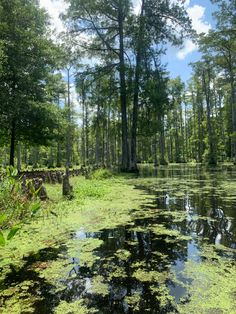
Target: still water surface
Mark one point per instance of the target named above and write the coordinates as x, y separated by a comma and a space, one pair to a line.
190, 218
175, 252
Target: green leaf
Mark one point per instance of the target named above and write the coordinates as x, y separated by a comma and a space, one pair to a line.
35, 207
14, 172
3, 218
2, 239
36, 192
13, 231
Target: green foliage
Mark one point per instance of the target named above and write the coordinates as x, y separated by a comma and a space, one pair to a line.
91, 189
102, 174
16, 205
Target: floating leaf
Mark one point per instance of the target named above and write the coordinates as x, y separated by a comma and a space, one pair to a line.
13, 231
2, 239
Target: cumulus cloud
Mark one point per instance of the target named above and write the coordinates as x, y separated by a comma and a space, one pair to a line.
197, 14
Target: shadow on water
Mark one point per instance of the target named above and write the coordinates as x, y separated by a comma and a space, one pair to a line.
141, 264
39, 288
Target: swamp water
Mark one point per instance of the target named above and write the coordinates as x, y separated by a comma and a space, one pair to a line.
167, 245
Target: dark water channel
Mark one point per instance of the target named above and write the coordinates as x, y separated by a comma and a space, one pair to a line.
141, 265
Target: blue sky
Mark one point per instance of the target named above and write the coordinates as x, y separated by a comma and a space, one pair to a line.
177, 63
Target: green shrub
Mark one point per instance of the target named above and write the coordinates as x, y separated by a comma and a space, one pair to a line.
101, 174
15, 205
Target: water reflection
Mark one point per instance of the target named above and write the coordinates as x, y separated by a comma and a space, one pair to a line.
194, 207
140, 266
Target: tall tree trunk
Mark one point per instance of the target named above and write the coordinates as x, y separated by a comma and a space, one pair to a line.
206, 86
97, 144
86, 135
155, 151
19, 157
12, 145
68, 140
58, 154
233, 111
162, 143
133, 159
108, 136
123, 98
83, 125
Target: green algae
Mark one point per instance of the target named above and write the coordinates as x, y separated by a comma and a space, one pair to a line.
123, 255
49, 231
117, 272
119, 204
99, 286
84, 250
161, 230
145, 275
77, 307
133, 301
212, 288
18, 299
162, 293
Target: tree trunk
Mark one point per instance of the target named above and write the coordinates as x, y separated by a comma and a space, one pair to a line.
162, 143
83, 125
133, 159
12, 147
97, 145
86, 135
233, 110
123, 98
212, 152
19, 157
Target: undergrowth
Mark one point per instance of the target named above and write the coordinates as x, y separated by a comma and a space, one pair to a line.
16, 206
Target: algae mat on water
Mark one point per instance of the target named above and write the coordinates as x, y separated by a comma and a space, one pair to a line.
116, 248
38, 258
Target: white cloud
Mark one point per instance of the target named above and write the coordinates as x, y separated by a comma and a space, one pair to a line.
54, 9
197, 15
137, 6
189, 47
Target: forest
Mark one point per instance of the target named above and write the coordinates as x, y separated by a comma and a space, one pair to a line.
117, 180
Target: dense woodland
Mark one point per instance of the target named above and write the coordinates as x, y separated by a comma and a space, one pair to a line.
129, 110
